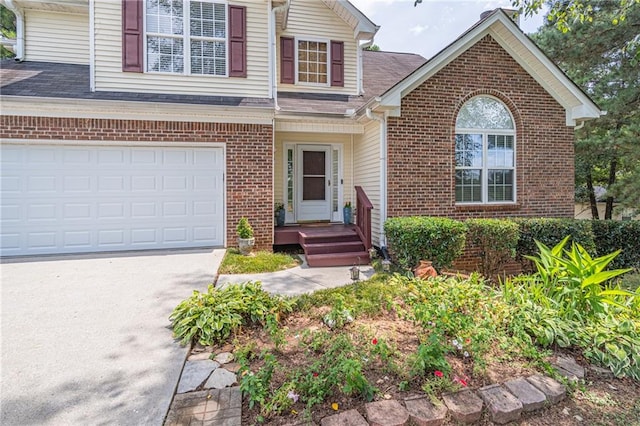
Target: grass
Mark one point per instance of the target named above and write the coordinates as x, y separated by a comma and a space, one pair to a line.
259, 262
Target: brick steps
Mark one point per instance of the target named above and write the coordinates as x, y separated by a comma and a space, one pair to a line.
339, 259
504, 403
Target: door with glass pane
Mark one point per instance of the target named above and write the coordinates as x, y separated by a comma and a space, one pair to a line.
314, 183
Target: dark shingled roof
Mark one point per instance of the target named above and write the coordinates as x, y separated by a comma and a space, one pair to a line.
381, 70
52, 80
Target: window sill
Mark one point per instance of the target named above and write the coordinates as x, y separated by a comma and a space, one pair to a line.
488, 207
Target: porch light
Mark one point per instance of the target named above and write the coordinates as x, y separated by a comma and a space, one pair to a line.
355, 273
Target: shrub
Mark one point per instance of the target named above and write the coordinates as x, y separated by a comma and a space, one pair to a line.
497, 240
211, 317
550, 231
244, 229
412, 239
611, 235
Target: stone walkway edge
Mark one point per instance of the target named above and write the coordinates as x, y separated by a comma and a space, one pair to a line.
503, 403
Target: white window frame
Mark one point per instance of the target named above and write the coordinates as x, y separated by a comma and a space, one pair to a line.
484, 181
317, 40
186, 39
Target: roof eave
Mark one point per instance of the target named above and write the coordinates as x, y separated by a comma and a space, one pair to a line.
585, 110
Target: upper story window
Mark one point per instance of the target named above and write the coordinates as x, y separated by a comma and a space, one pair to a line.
186, 37
312, 62
485, 152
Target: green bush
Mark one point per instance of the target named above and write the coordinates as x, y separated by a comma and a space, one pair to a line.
211, 317
612, 235
550, 231
497, 240
416, 238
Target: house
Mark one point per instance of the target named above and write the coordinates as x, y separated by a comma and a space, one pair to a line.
160, 123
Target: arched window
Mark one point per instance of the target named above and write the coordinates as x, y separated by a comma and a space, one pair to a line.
485, 152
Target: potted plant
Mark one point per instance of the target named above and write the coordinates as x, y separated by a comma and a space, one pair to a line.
245, 236
280, 214
346, 213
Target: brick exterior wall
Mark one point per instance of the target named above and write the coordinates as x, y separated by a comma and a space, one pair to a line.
249, 156
421, 142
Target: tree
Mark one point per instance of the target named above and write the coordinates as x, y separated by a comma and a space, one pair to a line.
601, 57
7, 30
373, 48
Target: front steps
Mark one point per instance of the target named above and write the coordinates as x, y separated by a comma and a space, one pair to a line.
332, 245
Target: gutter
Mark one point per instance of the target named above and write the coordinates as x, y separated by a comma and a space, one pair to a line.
19, 47
382, 119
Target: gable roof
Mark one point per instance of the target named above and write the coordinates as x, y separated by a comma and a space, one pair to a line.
578, 106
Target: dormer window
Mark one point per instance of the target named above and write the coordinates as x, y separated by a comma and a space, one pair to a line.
186, 37
312, 62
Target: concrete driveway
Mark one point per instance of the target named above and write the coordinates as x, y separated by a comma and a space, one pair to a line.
85, 339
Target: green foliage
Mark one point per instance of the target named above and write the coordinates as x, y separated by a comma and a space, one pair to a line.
411, 239
263, 261
429, 358
339, 315
257, 385
602, 57
211, 317
497, 240
570, 302
244, 229
575, 281
551, 231
612, 235
369, 298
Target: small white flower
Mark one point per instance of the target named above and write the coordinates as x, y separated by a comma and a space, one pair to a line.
466, 354
293, 396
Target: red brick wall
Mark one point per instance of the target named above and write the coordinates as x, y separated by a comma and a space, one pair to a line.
249, 155
421, 142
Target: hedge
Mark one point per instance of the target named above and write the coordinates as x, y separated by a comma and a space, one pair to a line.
551, 231
411, 239
611, 235
497, 240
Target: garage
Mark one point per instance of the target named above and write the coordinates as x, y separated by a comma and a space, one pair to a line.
61, 198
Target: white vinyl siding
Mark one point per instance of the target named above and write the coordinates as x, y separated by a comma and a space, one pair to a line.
366, 170
56, 37
109, 75
313, 20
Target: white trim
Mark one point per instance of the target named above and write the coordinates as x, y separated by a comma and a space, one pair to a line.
340, 148
290, 217
318, 40
19, 13
60, 142
92, 46
392, 98
364, 26
324, 206
121, 110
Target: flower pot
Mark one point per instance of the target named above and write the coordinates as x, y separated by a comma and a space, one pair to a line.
245, 245
280, 217
346, 214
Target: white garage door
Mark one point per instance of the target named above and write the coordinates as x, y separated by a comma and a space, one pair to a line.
74, 199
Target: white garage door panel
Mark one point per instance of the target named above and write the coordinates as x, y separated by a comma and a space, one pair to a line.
68, 199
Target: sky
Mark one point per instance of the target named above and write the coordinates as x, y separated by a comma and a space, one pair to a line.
432, 25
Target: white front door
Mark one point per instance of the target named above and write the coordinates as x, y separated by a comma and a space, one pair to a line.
314, 183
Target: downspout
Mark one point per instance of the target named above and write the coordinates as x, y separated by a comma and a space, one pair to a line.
382, 119
19, 29
273, 57
92, 46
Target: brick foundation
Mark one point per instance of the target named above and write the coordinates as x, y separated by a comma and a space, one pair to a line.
249, 156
